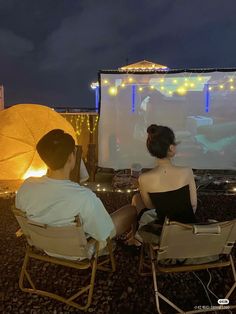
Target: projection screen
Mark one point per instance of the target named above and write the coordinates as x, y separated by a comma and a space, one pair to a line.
199, 107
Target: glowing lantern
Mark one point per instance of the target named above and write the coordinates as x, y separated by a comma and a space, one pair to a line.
21, 127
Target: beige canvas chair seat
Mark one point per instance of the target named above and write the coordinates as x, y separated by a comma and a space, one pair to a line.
193, 248
67, 243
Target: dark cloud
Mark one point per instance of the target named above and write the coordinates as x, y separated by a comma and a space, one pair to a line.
50, 51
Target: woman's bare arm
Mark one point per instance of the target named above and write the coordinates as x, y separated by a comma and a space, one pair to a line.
193, 190
144, 193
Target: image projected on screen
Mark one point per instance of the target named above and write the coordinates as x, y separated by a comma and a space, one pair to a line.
199, 107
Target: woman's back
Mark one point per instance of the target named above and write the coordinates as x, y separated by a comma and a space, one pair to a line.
168, 188
166, 177
174, 204
171, 191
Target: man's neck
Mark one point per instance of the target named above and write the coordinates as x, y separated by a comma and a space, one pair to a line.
60, 174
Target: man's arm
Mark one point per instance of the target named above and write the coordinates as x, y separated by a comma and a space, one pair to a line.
96, 221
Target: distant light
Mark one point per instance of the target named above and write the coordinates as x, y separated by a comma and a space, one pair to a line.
170, 93
152, 87
234, 189
221, 86
130, 79
209, 88
192, 84
122, 85
162, 80
140, 89
94, 85
175, 81
231, 87
231, 80
105, 81
98, 185
162, 87
200, 78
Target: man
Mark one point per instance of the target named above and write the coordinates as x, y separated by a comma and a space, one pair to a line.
55, 200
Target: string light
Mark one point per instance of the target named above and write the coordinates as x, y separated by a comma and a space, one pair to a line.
112, 91
94, 126
181, 91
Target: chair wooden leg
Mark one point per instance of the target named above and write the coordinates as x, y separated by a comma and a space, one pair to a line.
234, 275
24, 273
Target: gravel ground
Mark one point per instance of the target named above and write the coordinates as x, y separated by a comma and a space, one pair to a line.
121, 292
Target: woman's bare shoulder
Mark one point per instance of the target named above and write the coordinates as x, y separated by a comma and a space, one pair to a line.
146, 175
188, 172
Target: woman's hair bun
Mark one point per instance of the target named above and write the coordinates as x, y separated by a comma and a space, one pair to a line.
152, 129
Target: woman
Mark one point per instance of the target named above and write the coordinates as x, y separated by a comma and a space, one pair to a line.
166, 190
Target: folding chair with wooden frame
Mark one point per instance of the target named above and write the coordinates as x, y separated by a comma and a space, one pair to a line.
64, 241
190, 242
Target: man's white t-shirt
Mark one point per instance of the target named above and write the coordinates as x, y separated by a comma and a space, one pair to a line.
57, 202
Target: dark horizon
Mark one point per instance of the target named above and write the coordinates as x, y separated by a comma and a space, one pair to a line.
50, 54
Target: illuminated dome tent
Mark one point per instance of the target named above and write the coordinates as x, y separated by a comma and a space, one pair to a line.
21, 127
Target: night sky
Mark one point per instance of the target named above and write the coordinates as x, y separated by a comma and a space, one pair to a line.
51, 50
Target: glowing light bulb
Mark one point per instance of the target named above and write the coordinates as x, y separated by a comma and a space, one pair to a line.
175, 81
170, 93
186, 84
231, 87
181, 91
231, 80
200, 78
105, 81
209, 88
152, 87
192, 84
221, 86
162, 87
140, 89
162, 80
130, 79
122, 85
112, 91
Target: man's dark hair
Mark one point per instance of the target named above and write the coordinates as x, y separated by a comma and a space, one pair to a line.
159, 140
55, 147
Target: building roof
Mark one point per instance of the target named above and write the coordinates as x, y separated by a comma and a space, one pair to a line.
143, 65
